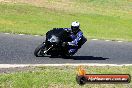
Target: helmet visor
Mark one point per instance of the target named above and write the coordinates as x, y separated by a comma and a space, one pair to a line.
75, 29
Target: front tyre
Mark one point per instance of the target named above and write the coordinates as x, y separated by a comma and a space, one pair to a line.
39, 51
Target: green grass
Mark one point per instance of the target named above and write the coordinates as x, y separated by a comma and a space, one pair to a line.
60, 77
103, 19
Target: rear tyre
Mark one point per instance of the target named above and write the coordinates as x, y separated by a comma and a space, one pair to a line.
66, 56
39, 51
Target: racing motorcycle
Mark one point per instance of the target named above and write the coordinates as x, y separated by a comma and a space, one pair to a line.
55, 44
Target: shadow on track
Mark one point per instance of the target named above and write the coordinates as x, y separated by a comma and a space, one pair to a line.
86, 58
81, 57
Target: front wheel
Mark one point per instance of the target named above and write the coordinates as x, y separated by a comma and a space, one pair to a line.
39, 51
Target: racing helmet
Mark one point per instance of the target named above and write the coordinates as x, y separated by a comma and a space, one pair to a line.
75, 27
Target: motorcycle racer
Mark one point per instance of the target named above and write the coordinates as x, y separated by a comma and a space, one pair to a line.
61, 41
77, 38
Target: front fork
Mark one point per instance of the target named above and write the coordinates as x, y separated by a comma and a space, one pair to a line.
48, 49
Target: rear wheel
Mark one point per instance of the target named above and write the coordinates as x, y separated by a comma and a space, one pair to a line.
66, 55
39, 51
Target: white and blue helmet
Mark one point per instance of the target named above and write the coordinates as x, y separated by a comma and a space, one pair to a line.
75, 26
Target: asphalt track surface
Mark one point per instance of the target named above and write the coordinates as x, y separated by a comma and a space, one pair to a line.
18, 49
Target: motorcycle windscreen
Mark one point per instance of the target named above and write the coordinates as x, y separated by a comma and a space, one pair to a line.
56, 35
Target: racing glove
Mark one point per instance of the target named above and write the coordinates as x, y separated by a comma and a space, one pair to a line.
72, 44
